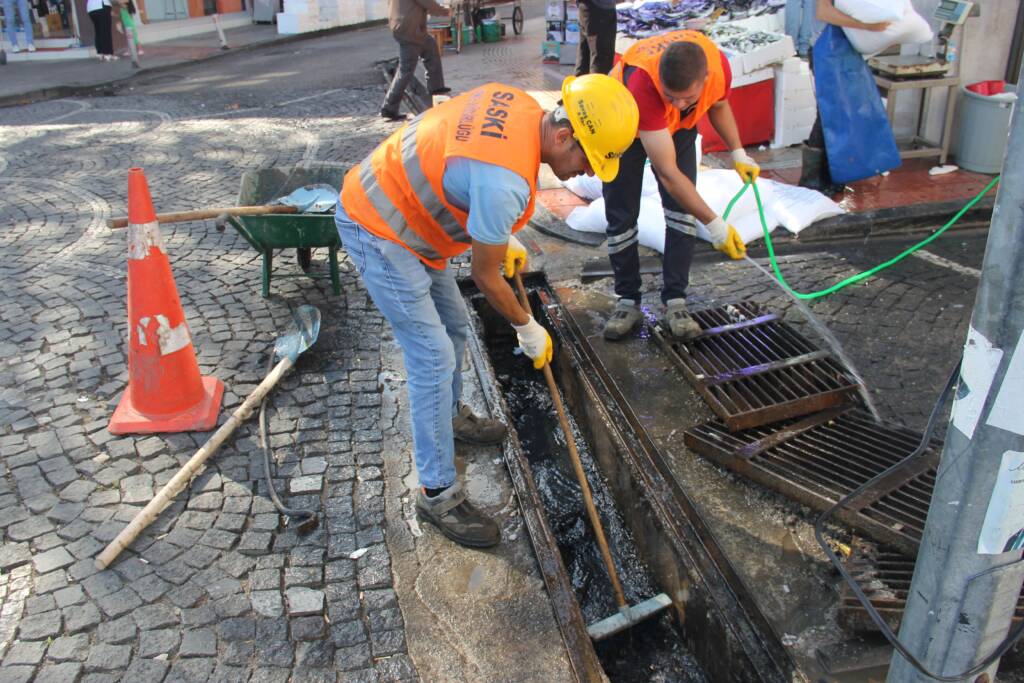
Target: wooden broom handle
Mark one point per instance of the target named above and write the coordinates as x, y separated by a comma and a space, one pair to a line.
180, 480
205, 214
581, 476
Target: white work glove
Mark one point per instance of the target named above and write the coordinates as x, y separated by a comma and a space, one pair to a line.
535, 342
725, 238
744, 165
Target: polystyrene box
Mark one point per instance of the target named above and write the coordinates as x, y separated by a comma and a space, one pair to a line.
555, 10
295, 23
772, 53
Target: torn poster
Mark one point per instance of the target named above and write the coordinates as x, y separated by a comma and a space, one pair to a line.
1003, 529
979, 366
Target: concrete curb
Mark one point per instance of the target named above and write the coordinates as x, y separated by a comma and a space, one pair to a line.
61, 91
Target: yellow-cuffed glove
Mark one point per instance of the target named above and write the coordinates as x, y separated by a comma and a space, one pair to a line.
535, 342
725, 239
745, 166
515, 257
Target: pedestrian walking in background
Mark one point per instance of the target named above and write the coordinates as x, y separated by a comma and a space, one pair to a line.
595, 53
802, 24
408, 22
99, 13
26, 23
675, 78
128, 15
461, 176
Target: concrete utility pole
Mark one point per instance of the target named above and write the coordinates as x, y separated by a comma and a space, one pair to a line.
965, 587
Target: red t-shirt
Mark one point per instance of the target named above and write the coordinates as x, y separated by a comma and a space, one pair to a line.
649, 101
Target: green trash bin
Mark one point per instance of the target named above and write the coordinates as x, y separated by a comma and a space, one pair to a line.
491, 31
984, 125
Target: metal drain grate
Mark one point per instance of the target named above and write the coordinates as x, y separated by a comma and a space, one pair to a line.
754, 369
884, 576
821, 458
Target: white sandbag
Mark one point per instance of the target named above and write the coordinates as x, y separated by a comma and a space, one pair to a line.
911, 28
651, 223
584, 186
588, 218
796, 207
871, 11
717, 187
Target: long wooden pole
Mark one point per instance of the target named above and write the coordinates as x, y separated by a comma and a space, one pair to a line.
180, 480
574, 455
205, 214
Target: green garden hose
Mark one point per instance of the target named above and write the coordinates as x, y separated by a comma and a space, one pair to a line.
854, 278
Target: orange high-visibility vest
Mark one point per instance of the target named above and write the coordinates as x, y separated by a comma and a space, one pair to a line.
397, 192
645, 54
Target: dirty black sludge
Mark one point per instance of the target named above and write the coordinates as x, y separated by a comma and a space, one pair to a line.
649, 651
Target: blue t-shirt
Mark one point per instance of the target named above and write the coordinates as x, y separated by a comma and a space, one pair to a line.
494, 196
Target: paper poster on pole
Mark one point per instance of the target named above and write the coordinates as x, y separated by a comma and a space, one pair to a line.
1003, 529
976, 373
1008, 410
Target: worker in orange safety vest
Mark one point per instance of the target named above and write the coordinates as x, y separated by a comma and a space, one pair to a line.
676, 79
463, 176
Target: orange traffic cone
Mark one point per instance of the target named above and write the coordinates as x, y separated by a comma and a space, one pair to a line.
165, 391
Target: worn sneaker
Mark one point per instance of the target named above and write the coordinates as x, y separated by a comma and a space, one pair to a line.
678, 320
625, 318
15, 49
472, 428
31, 48
457, 518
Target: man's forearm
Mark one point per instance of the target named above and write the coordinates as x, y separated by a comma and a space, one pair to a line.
499, 294
722, 120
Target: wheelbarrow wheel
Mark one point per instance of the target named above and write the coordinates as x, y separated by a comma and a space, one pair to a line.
517, 20
305, 256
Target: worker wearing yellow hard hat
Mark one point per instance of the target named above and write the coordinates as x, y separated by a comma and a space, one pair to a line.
460, 176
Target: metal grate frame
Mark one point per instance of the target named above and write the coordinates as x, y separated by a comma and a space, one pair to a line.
754, 369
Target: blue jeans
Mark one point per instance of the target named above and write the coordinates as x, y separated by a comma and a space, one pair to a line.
26, 22
801, 24
429, 318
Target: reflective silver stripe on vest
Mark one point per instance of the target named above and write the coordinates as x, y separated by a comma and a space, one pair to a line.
423, 191
389, 213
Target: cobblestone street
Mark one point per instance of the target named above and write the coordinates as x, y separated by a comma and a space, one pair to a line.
219, 588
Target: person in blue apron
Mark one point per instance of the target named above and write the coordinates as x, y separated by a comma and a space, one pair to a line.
832, 133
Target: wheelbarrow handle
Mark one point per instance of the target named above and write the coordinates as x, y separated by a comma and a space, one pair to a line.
204, 214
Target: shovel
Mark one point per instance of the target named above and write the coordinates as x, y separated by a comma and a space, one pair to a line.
627, 616
287, 348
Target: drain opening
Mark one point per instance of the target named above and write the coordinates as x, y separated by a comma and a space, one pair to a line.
650, 651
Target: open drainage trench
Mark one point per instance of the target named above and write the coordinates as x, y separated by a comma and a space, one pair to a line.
649, 651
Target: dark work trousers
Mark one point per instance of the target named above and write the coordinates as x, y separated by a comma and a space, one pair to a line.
409, 55
622, 208
101, 27
596, 51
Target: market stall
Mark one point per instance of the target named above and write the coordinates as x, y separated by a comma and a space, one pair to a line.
772, 95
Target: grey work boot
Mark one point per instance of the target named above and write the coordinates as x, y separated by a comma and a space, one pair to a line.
457, 519
472, 428
624, 319
679, 322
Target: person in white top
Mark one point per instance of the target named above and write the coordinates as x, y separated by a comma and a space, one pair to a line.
99, 12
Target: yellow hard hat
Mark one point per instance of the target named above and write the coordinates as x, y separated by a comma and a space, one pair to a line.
604, 120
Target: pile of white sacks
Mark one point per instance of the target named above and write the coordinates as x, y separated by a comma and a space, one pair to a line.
794, 208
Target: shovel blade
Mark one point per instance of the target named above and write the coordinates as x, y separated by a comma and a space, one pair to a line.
628, 617
303, 334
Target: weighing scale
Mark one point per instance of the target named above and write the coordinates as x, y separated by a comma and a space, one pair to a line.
951, 14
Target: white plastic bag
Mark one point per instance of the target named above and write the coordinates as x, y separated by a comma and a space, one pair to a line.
871, 11
912, 28
588, 218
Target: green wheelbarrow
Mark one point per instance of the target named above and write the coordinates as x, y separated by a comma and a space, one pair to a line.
300, 231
